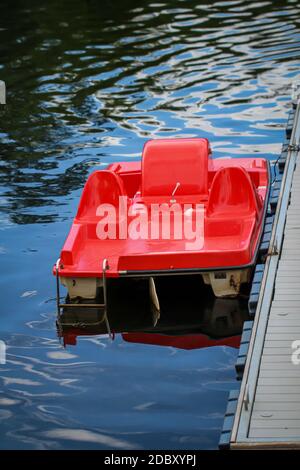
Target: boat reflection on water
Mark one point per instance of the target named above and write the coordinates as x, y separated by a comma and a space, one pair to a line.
190, 317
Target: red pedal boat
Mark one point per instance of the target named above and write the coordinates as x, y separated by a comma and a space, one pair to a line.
178, 211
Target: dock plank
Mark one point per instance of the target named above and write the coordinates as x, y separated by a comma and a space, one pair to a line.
268, 411
274, 433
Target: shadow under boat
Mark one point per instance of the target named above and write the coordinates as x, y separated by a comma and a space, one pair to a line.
188, 317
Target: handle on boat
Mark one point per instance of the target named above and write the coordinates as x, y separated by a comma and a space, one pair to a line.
175, 189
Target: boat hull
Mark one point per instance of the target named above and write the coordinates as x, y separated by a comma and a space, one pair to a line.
229, 196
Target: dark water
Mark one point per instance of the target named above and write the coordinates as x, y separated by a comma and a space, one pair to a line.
88, 83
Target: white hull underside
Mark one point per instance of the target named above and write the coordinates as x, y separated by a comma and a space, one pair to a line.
223, 283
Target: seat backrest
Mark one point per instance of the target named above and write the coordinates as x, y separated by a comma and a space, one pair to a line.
167, 162
232, 193
102, 187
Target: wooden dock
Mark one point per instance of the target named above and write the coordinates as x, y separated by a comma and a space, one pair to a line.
267, 414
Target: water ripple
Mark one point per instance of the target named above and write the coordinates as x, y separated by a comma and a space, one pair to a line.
88, 85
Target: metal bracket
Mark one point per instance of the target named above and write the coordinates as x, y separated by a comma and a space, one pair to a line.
294, 148
273, 250
246, 399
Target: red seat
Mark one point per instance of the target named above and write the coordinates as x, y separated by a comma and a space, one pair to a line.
232, 194
102, 187
167, 162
